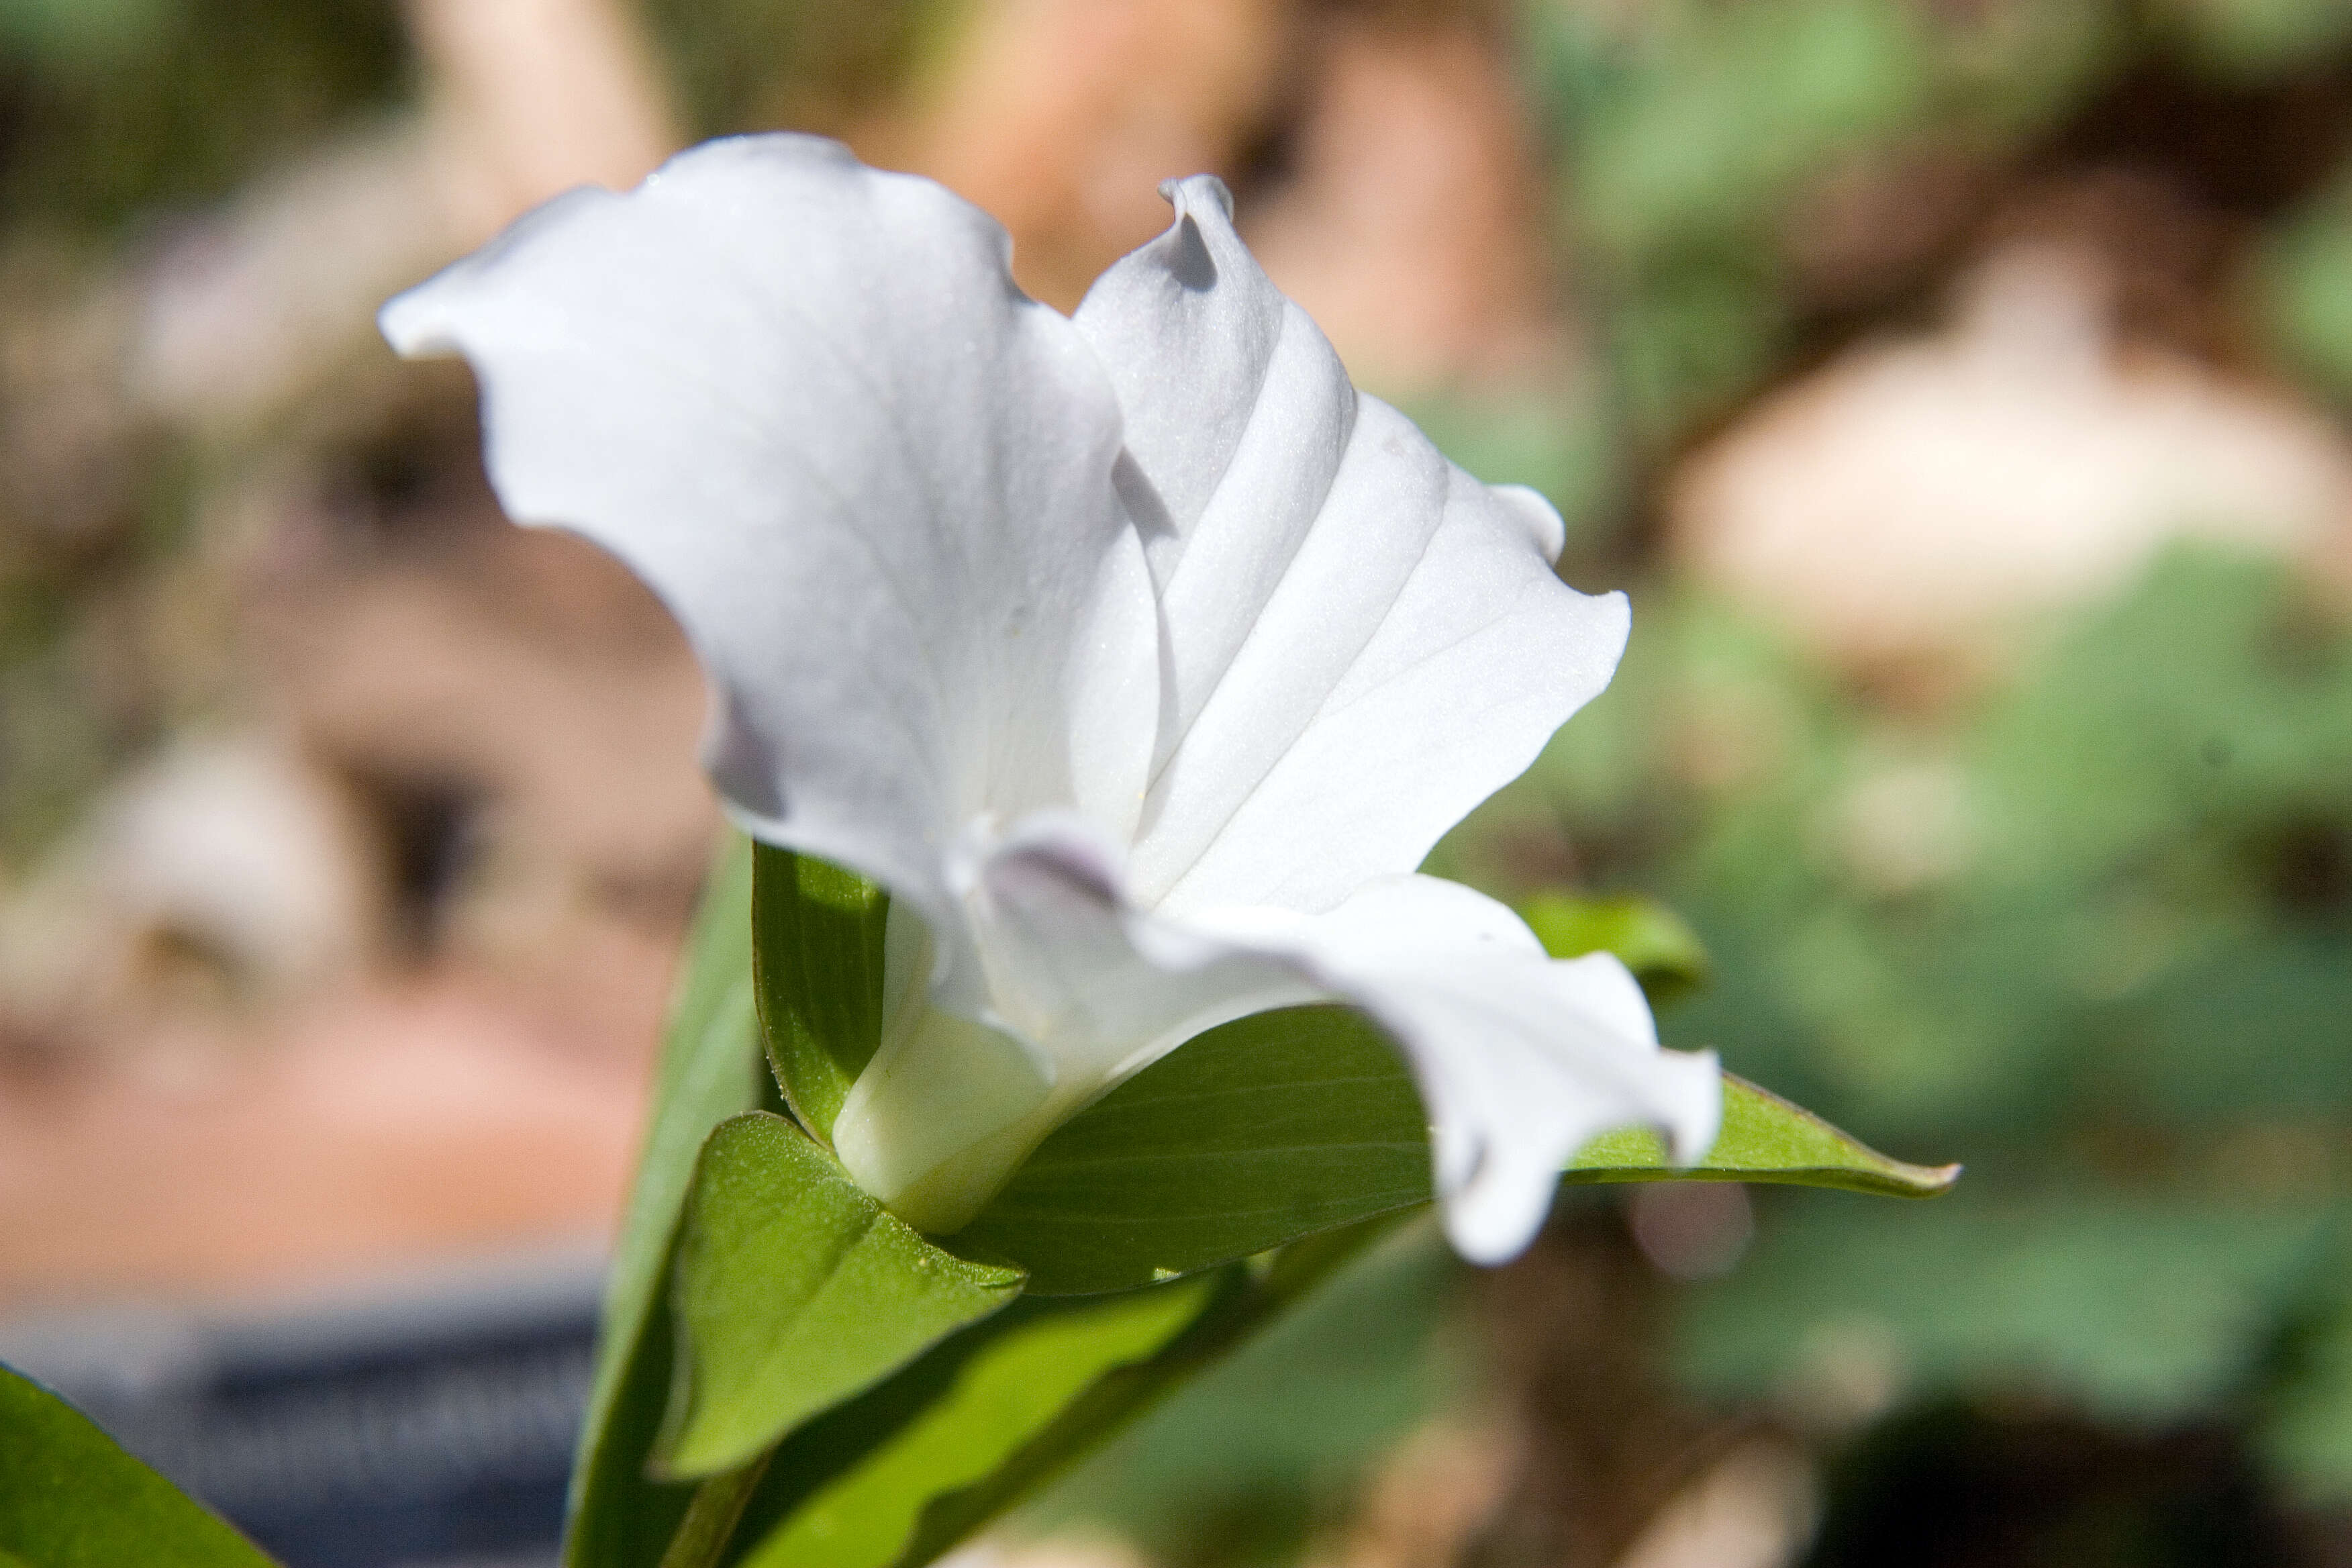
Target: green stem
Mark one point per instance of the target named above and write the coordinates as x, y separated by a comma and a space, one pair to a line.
702, 1535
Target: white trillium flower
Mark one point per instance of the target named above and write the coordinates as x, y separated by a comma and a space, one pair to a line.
1136, 654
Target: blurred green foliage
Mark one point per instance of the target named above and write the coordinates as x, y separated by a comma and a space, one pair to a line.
2091, 931
2141, 847
115, 109
1688, 136
755, 65
2089, 928
2304, 289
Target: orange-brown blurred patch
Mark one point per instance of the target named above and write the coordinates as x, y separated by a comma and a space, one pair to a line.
372, 1129
1061, 118
1408, 226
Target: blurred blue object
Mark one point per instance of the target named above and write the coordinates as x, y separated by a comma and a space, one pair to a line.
425, 1424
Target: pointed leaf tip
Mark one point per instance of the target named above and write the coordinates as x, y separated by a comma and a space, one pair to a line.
1764, 1139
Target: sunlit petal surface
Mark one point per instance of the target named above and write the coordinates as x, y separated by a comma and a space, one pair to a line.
804, 401
1363, 642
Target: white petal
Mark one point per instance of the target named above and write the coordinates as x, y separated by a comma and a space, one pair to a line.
804, 401
1521, 1059
1362, 641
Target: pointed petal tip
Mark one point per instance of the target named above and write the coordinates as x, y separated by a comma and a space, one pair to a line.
1542, 519
1184, 194
416, 321
1486, 1251
1490, 1229
405, 325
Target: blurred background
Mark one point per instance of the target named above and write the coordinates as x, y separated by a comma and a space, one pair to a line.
1961, 388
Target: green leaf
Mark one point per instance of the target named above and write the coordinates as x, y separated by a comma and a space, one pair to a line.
1011, 1387
1267, 1128
70, 1498
794, 1291
1291, 1122
1256, 1443
1764, 1139
1663, 951
2305, 1420
710, 1071
816, 955
2305, 286
1259, 1295
902, 1474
